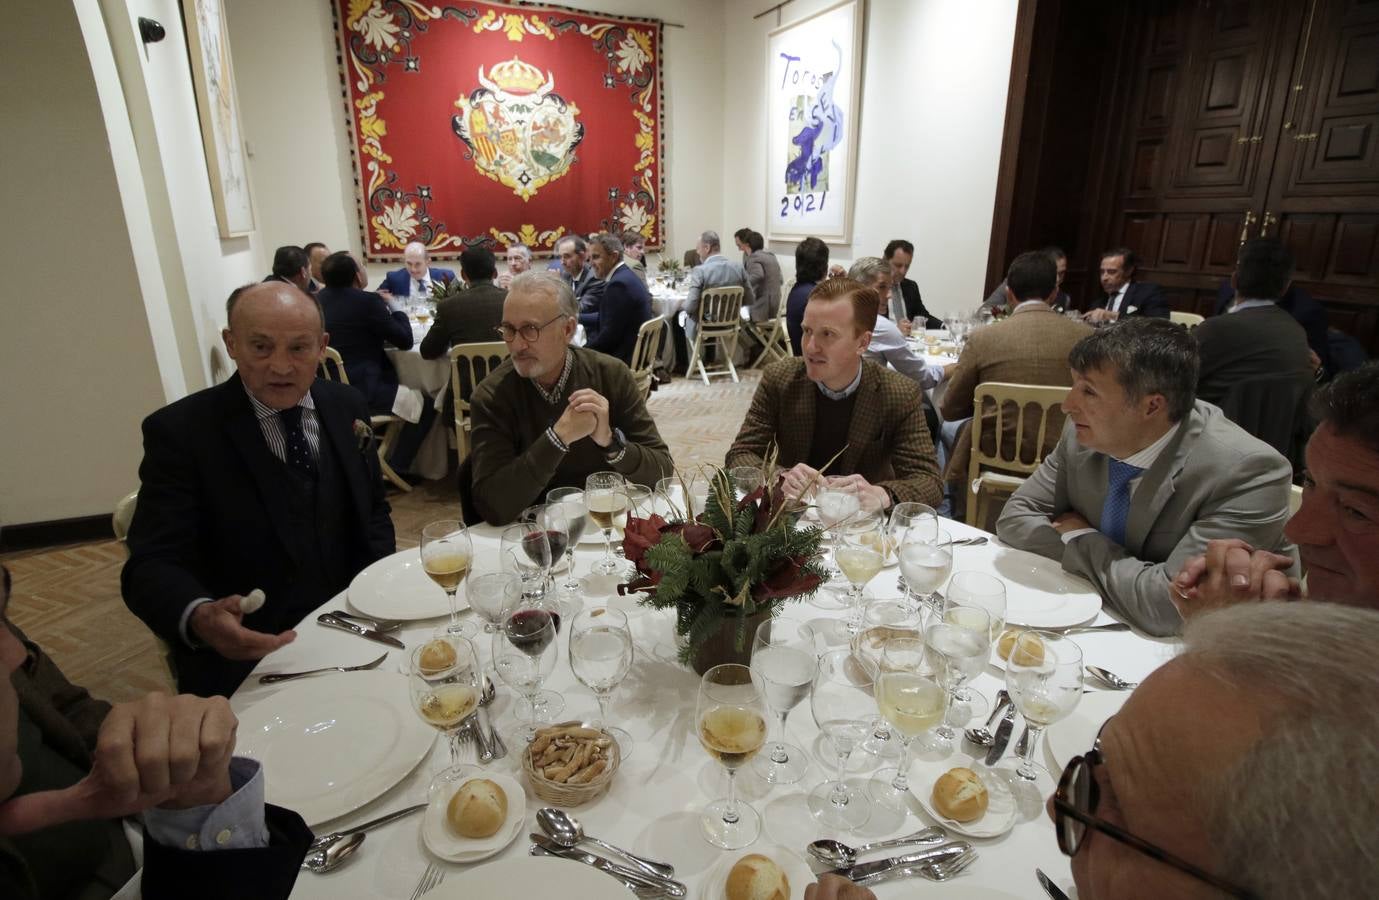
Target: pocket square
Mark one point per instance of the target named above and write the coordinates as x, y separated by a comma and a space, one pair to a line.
363, 435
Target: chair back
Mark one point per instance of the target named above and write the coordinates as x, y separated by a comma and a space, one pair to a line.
720, 310
1191, 320
1021, 435
1273, 409
645, 353
1294, 499
124, 514
333, 366
469, 365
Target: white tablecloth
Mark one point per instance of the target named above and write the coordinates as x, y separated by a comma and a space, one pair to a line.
654, 805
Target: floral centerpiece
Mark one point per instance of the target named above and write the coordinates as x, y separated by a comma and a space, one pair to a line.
724, 570
447, 287
671, 268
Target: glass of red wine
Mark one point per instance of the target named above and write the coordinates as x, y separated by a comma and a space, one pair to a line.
525, 550
554, 519
524, 655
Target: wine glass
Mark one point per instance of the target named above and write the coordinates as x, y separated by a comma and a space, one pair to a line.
671, 502
783, 657
905, 517
731, 721
1044, 679
961, 638
446, 556
745, 479
836, 503
925, 561
572, 500
554, 519
526, 550
839, 700
600, 656
524, 654
882, 622
491, 595
444, 680
912, 701
605, 497
861, 557
985, 592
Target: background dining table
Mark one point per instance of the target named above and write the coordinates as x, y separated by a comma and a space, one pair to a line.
654, 804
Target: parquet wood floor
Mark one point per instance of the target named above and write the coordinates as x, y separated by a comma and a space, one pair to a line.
67, 598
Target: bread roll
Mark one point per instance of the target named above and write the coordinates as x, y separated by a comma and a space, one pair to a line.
960, 795
478, 809
1031, 648
757, 877
436, 657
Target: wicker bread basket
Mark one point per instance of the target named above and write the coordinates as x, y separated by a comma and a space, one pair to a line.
559, 793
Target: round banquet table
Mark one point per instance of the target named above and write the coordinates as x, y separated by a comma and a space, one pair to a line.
654, 804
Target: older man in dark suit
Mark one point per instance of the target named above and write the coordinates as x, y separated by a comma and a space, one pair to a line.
625, 304
1124, 295
832, 403
267, 481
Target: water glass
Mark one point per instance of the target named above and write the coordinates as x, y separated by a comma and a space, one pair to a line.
1044, 680
925, 561
839, 699
784, 658
962, 642
572, 501
601, 654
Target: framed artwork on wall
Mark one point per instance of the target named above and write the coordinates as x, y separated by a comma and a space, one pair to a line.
214, 83
813, 71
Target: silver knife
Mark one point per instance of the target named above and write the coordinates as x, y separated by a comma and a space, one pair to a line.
1049, 887
872, 870
622, 873
1002, 739
333, 621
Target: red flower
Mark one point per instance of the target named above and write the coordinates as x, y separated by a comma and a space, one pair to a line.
788, 580
640, 535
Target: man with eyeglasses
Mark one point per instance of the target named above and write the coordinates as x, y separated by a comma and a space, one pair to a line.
1245, 767
551, 415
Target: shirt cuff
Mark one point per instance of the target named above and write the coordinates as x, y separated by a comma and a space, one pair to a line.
184, 623
555, 439
236, 824
1069, 536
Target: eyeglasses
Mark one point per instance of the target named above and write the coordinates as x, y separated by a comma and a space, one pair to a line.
1074, 805
529, 333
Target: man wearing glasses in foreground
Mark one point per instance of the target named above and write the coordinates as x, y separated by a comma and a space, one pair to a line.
552, 414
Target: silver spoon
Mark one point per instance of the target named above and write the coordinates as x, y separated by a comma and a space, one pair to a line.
490, 742
1111, 679
841, 856
983, 737
565, 830
333, 854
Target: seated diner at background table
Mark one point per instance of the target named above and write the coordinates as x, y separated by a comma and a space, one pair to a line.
612, 324
1060, 300
1144, 475
519, 260
414, 281
73, 767
269, 481
811, 267
905, 297
551, 415
1124, 296
1336, 529
472, 315
832, 402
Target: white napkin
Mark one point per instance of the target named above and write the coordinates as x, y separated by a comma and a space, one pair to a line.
407, 403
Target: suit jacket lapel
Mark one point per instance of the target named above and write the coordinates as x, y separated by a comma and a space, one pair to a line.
338, 428
1156, 485
866, 412
266, 469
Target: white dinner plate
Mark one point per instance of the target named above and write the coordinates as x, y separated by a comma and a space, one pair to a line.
1075, 735
797, 871
1000, 807
531, 877
331, 744
441, 840
1039, 594
397, 587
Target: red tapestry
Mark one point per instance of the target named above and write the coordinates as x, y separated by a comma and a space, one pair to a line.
501, 124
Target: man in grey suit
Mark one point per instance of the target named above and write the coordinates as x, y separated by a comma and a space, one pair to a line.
714, 270
1145, 474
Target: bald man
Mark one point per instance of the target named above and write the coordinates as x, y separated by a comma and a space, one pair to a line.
414, 281
267, 481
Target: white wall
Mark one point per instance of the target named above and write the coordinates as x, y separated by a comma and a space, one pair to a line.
934, 90
298, 136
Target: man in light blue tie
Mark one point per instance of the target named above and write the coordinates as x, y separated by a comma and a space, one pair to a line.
1145, 474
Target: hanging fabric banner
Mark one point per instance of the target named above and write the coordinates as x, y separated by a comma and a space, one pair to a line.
499, 123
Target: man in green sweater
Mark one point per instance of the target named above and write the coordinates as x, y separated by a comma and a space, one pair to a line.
552, 414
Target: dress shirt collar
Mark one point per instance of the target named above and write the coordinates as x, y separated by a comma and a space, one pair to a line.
553, 395
622, 264
1117, 300
1251, 304
264, 411
845, 392
1032, 304
1146, 457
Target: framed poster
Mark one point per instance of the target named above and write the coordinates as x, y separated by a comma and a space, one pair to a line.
214, 81
814, 72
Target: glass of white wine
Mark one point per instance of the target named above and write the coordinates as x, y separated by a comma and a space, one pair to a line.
1044, 679
446, 555
961, 638
836, 503
444, 680
839, 699
605, 497
600, 656
784, 657
912, 701
926, 558
731, 722
860, 557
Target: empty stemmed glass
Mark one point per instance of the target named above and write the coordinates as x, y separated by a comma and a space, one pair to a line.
839, 700
860, 557
605, 497
572, 501
745, 479
984, 592
600, 656
961, 638
911, 700
1044, 679
925, 561
783, 656
491, 595
524, 654
731, 722
444, 681
446, 556
671, 502
525, 550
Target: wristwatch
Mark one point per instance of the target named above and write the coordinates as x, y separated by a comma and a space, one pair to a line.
618, 449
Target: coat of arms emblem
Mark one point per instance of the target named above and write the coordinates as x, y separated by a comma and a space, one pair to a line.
519, 131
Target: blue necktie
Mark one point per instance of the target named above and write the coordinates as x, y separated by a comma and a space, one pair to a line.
298, 450
1116, 508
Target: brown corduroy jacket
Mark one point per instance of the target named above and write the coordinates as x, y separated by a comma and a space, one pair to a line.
888, 441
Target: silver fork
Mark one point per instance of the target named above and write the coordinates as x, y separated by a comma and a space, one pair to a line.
276, 677
949, 868
429, 879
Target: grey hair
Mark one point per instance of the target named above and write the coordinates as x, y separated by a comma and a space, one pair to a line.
523, 249
609, 242
543, 281
578, 241
1150, 356
416, 245
1294, 816
867, 268
710, 239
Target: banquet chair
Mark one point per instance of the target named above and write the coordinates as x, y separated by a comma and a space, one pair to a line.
469, 365
124, 514
720, 321
646, 352
333, 369
1002, 471
773, 337
1191, 320
1273, 409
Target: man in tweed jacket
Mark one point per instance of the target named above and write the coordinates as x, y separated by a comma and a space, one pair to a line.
831, 402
